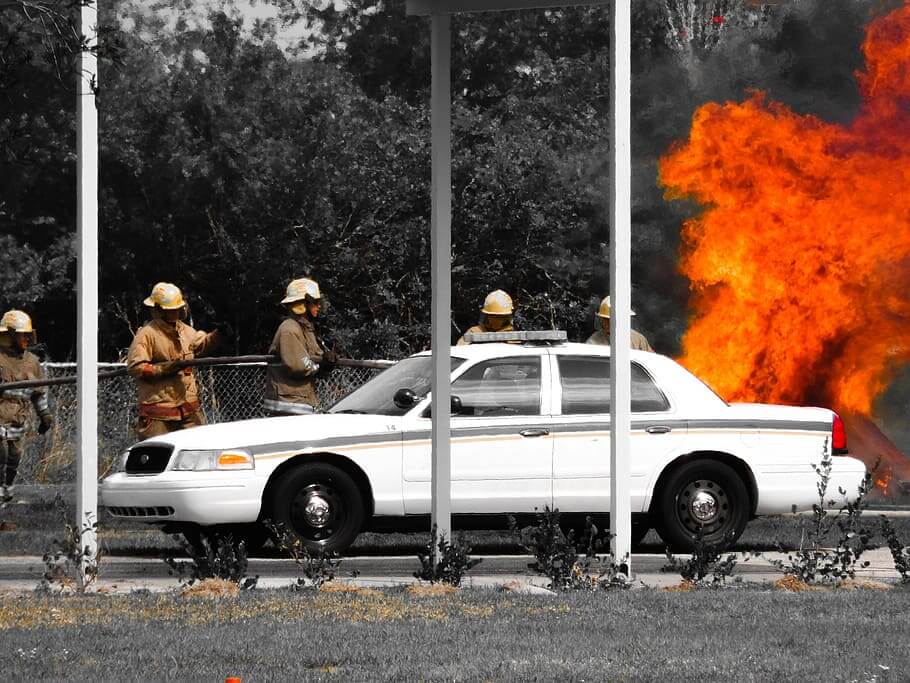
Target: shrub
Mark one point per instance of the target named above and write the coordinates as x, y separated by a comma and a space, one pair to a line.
214, 556
812, 563
63, 562
314, 568
452, 561
899, 551
556, 556
707, 567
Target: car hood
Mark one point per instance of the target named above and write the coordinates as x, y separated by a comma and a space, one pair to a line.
279, 430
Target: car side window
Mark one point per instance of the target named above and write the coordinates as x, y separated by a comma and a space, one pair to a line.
646, 395
586, 387
503, 386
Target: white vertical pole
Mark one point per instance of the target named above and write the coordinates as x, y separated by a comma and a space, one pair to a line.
87, 309
441, 248
620, 283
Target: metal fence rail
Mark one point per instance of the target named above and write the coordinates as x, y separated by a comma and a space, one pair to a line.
227, 392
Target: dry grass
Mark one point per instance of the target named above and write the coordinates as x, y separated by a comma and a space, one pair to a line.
431, 590
211, 588
794, 584
865, 584
340, 587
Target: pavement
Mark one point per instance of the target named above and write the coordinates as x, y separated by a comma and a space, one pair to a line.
120, 574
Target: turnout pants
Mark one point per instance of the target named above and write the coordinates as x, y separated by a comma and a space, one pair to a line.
10, 456
148, 427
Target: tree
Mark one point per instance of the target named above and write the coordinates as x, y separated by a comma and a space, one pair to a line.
230, 167
38, 44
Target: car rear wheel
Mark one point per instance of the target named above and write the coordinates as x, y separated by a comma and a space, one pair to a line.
702, 497
321, 504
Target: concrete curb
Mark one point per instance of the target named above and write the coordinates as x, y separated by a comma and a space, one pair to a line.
755, 570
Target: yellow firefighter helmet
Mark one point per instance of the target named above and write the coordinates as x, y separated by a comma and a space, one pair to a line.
165, 296
497, 303
300, 289
604, 310
16, 321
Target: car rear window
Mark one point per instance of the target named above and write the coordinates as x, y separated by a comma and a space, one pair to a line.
586, 387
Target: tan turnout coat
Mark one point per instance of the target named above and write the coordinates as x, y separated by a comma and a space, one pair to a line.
293, 381
15, 404
480, 328
175, 396
639, 343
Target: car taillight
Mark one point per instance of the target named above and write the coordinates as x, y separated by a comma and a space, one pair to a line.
838, 436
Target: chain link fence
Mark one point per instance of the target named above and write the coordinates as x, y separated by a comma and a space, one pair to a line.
227, 392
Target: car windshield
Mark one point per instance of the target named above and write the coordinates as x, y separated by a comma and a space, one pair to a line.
376, 397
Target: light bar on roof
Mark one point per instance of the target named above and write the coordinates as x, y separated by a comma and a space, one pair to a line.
525, 336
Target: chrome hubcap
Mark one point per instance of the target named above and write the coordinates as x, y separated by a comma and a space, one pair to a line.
703, 507
317, 511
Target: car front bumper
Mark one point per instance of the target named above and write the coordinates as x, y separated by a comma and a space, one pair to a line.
199, 497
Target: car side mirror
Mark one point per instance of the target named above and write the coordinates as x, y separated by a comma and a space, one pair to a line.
405, 398
455, 408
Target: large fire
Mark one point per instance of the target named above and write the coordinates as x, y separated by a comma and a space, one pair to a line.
800, 262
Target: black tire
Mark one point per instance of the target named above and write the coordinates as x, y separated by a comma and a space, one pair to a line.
336, 511
724, 509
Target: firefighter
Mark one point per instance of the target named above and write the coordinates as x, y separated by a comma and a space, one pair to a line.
495, 316
17, 363
291, 384
602, 336
168, 398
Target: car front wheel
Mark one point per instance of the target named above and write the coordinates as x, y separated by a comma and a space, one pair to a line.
321, 505
702, 498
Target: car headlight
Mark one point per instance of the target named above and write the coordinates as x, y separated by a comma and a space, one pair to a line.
200, 461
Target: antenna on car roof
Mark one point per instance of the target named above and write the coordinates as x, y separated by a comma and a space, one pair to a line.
529, 336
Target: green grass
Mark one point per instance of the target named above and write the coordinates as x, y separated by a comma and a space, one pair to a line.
741, 634
35, 525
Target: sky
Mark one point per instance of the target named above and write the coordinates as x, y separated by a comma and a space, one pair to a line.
250, 9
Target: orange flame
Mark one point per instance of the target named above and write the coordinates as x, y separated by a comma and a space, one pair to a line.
800, 263
883, 482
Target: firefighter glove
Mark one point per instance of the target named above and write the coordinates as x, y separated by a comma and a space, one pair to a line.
329, 357
169, 367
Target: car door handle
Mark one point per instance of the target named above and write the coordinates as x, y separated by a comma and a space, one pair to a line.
658, 429
534, 432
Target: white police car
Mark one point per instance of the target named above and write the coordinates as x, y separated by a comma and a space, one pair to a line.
530, 428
